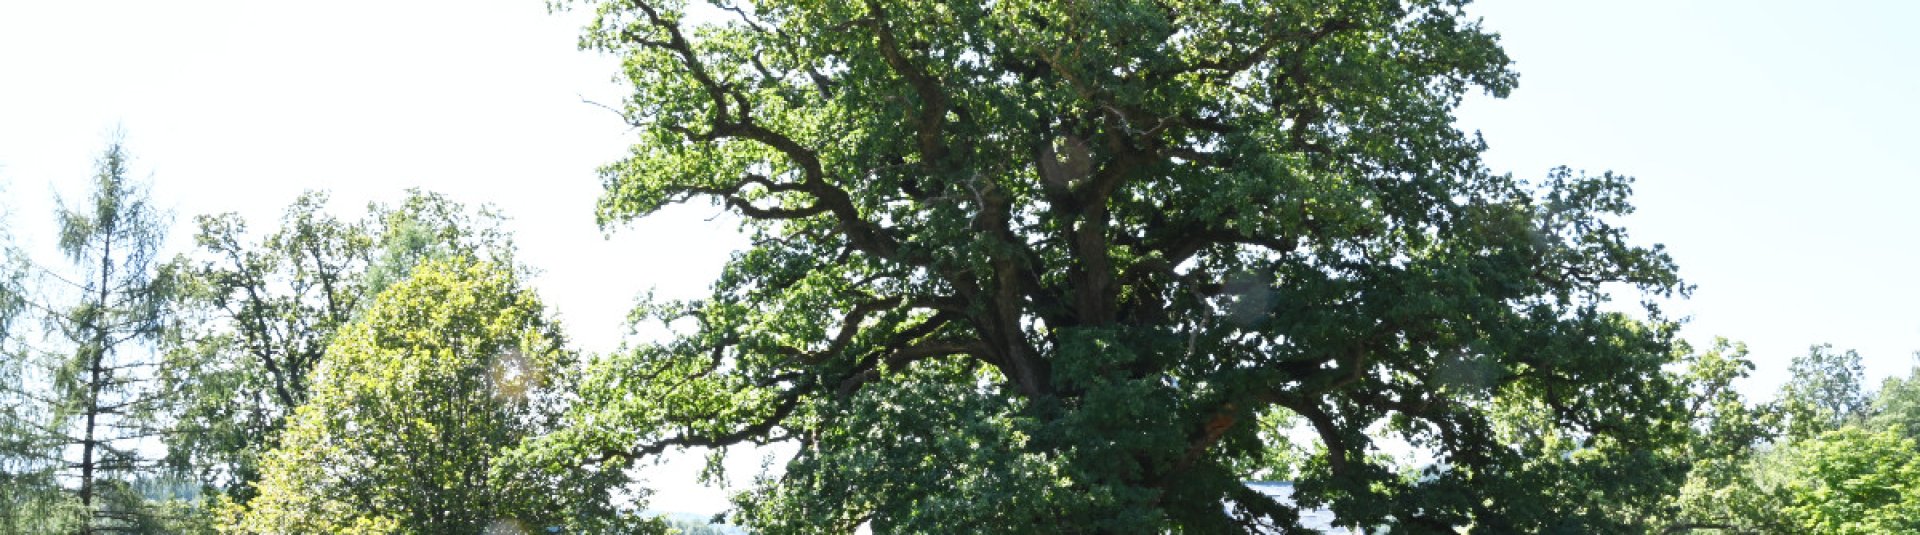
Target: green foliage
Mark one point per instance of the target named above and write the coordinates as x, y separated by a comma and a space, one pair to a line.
1037, 266
1824, 458
101, 401
1724, 452
412, 409
258, 315
429, 226
1854, 482
1724, 424
30, 498
13, 291
679, 526
1897, 406
1610, 481
256, 318
1825, 392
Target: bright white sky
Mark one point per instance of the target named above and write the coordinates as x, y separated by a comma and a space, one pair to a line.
1772, 141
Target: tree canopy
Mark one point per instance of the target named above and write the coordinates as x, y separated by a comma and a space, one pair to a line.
412, 406
257, 313
82, 402
1898, 404
1045, 266
1855, 482
1019, 266
1828, 455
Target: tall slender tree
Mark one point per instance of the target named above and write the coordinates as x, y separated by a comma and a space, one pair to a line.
103, 396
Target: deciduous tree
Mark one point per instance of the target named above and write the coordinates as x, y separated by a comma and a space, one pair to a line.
1043, 266
1826, 392
1897, 405
259, 313
411, 407
1854, 481
1728, 438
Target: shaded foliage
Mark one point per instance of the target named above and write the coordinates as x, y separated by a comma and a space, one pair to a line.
1045, 266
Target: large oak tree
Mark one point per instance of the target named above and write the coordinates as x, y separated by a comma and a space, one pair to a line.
1046, 266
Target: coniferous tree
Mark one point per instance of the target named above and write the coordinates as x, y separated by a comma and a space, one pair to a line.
30, 498
103, 399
